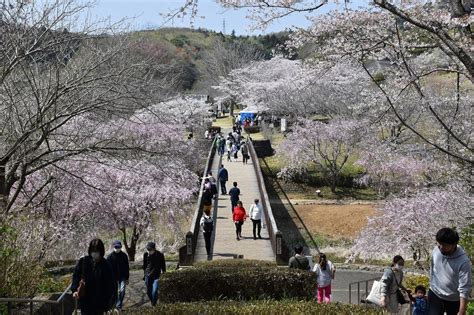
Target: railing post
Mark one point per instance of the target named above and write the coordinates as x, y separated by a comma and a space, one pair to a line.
9, 308
358, 293
189, 248
366, 291
278, 248
31, 308
350, 293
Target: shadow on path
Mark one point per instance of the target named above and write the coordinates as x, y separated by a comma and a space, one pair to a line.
288, 221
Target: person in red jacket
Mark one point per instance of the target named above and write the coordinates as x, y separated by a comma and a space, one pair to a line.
239, 217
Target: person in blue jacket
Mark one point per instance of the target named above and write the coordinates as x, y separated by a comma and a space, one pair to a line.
223, 177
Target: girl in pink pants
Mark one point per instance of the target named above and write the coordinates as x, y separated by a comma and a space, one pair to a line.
325, 272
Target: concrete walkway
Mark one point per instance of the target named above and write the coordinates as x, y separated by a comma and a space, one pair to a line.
225, 245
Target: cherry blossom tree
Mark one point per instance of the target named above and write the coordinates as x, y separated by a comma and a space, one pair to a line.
150, 182
55, 71
291, 87
408, 224
329, 146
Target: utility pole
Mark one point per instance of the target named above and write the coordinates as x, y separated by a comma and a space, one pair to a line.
223, 26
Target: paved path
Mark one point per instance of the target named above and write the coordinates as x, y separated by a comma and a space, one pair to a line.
225, 245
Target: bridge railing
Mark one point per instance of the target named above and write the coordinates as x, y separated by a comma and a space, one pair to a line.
280, 250
361, 295
59, 304
186, 252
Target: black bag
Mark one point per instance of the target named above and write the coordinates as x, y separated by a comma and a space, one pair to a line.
208, 226
213, 189
235, 155
400, 297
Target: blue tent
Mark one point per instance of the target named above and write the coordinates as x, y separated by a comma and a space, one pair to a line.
248, 112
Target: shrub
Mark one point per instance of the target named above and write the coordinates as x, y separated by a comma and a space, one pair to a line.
18, 275
411, 281
256, 307
252, 129
49, 284
379, 77
214, 128
236, 280
237, 263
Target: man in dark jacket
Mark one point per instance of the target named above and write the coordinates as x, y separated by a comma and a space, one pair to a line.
96, 276
223, 177
153, 266
119, 262
234, 194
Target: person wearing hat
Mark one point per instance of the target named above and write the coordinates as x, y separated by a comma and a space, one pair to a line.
119, 262
153, 266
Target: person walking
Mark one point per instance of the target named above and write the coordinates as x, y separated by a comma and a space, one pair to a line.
234, 194
390, 286
93, 281
153, 266
213, 183
207, 225
450, 276
245, 152
118, 260
235, 151
206, 199
325, 272
228, 148
299, 261
221, 146
223, 177
239, 216
256, 215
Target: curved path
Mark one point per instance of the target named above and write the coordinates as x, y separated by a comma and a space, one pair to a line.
224, 243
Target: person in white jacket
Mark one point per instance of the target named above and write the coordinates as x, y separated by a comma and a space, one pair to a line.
256, 215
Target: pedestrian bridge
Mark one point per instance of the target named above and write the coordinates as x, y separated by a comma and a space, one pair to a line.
223, 242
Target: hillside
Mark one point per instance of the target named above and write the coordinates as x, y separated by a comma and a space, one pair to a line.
201, 56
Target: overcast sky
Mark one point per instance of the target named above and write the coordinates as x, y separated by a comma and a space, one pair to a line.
146, 14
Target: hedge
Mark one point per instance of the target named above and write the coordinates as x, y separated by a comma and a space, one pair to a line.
252, 129
256, 307
240, 280
236, 263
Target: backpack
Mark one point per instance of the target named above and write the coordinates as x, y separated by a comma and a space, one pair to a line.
208, 226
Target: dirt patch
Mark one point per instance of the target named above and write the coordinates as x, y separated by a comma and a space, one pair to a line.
336, 221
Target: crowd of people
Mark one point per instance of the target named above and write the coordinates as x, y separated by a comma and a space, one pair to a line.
449, 287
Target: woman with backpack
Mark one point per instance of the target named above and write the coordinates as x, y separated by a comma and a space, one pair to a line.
325, 272
207, 224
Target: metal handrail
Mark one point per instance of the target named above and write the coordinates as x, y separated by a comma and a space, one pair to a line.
30, 301
358, 289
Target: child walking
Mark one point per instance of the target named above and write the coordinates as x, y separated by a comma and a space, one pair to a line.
325, 272
419, 301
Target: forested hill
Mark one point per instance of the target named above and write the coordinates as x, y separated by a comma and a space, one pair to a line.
201, 56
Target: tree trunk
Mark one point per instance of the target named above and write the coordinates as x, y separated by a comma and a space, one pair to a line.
333, 183
132, 247
3, 189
